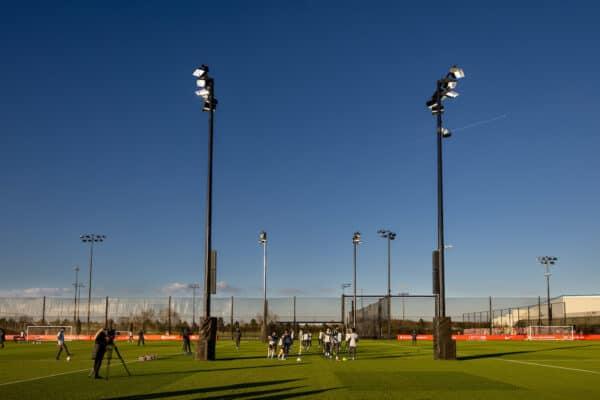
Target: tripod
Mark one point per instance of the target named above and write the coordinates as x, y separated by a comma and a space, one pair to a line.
109, 351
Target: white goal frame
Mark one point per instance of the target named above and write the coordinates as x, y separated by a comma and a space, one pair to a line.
559, 332
47, 333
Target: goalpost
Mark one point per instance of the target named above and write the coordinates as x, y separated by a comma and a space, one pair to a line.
550, 332
37, 333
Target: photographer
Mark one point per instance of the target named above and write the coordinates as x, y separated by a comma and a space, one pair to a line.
101, 340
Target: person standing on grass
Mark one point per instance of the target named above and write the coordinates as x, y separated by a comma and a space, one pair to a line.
2, 338
130, 337
60, 339
237, 336
272, 340
414, 337
187, 347
351, 342
141, 340
100, 342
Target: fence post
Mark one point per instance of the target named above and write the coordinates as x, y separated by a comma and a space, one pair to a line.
539, 310
44, 310
294, 326
343, 319
106, 313
231, 315
491, 317
169, 317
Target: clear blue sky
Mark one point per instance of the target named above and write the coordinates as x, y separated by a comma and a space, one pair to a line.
321, 130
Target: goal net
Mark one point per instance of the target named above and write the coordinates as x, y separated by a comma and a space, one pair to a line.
550, 333
36, 333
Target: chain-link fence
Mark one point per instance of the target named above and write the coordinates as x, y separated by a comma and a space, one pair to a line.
374, 315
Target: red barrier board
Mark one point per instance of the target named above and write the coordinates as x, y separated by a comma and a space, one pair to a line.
502, 337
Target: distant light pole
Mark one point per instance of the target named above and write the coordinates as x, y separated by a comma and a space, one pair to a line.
193, 286
356, 242
91, 238
207, 337
547, 261
344, 286
389, 235
445, 347
76, 285
262, 239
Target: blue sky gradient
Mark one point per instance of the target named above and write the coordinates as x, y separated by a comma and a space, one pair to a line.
321, 130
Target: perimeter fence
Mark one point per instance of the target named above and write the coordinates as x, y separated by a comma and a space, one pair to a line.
377, 316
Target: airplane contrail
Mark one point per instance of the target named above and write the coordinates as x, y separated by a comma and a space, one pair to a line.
485, 121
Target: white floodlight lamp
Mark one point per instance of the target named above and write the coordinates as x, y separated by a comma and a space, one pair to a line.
451, 84
201, 83
199, 72
202, 92
446, 132
457, 72
452, 94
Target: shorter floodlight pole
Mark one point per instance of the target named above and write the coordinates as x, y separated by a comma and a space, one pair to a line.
547, 260
356, 242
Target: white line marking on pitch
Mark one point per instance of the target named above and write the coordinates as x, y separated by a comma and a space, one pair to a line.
66, 373
551, 366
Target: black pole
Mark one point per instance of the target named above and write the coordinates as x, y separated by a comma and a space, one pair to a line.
440, 195
106, 312
169, 316
548, 291
90, 284
389, 289
44, 310
208, 246
75, 301
354, 302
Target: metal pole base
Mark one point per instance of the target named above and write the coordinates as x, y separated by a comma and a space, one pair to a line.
264, 332
444, 347
207, 340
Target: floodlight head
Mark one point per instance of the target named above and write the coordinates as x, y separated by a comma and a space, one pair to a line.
202, 93
450, 93
262, 237
457, 72
451, 84
356, 238
446, 133
392, 236
200, 71
200, 83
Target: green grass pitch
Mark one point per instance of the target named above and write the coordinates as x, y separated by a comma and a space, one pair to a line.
383, 370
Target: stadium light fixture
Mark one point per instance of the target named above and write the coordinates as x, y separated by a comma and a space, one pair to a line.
91, 238
444, 347
548, 261
208, 333
262, 239
389, 235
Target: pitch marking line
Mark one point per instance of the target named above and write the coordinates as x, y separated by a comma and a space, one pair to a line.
552, 366
67, 373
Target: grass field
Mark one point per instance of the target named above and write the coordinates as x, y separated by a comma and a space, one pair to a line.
384, 370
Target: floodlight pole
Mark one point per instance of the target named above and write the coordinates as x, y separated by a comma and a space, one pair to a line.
207, 336
440, 196
444, 345
355, 241
91, 238
546, 260
263, 240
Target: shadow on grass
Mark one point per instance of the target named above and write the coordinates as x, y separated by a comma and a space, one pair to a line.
191, 371
237, 386
240, 358
508, 353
